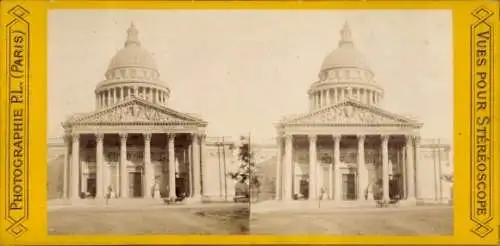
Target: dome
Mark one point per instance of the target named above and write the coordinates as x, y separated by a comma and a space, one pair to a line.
346, 55
132, 55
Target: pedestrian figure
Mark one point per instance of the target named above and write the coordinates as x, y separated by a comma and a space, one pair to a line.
108, 194
322, 193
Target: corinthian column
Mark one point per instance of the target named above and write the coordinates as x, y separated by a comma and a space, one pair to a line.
313, 189
123, 166
410, 178
99, 165
204, 164
171, 164
196, 167
362, 172
148, 169
288, 179
66, 168
336, 166
279, 169
385, 166
416, 164
75, 167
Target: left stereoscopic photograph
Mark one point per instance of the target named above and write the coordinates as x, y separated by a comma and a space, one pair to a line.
129, 150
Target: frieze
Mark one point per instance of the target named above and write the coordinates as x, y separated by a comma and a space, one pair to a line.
347, 114
133, 113
137, 112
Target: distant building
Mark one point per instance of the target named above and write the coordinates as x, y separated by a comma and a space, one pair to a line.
350, 148
134, 146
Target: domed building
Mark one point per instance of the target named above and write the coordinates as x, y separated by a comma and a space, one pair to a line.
347, 147
134, 145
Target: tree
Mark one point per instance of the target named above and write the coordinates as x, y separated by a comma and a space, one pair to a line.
447, 177
246, 169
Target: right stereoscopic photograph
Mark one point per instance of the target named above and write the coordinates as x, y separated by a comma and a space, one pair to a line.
363, 141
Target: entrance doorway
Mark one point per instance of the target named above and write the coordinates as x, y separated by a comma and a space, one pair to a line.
91, 186
135, 184
304, 188
395, 186
348, 186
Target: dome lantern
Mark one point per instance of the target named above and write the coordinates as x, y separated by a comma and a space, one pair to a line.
132, 36
345, 35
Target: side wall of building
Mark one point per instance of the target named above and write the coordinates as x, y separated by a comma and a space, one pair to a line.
434, 161
221, 159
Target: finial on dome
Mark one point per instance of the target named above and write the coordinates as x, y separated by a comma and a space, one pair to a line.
345, 35
132, 35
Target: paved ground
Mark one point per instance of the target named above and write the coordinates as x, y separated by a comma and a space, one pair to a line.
432, 220
173, 219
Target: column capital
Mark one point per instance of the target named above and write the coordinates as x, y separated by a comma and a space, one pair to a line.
170, 135
385, 137
336, 137
123, 136
194, 137
361, 137
147, 136
75, 136
409, 137
288, 137
99, 136
417, 139
312, 137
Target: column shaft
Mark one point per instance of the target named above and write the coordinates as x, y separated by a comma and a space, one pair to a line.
75, 167
330, 181
416, 140
66, 168
410, 178
123, 166
328, 97
385, 167
196, 167
279, 169
204, 165
337, 175
362, 172
190, 168
313, 189
288, 179
99, 166
171, 165
148, 169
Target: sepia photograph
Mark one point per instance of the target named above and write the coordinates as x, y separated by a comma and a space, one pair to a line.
324, 122
123, 157
368, 150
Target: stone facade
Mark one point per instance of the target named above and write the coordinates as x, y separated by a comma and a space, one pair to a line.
133, 145
347, 147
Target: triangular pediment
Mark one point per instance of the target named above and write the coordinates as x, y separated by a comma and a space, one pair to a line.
135, 111
351, 113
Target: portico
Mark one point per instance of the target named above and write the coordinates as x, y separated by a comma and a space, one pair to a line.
364, 166
132, 159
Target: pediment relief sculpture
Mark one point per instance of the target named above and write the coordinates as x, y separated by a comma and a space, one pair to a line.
133, 113
347, 115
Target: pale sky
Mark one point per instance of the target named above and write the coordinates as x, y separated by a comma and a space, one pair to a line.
243, 70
